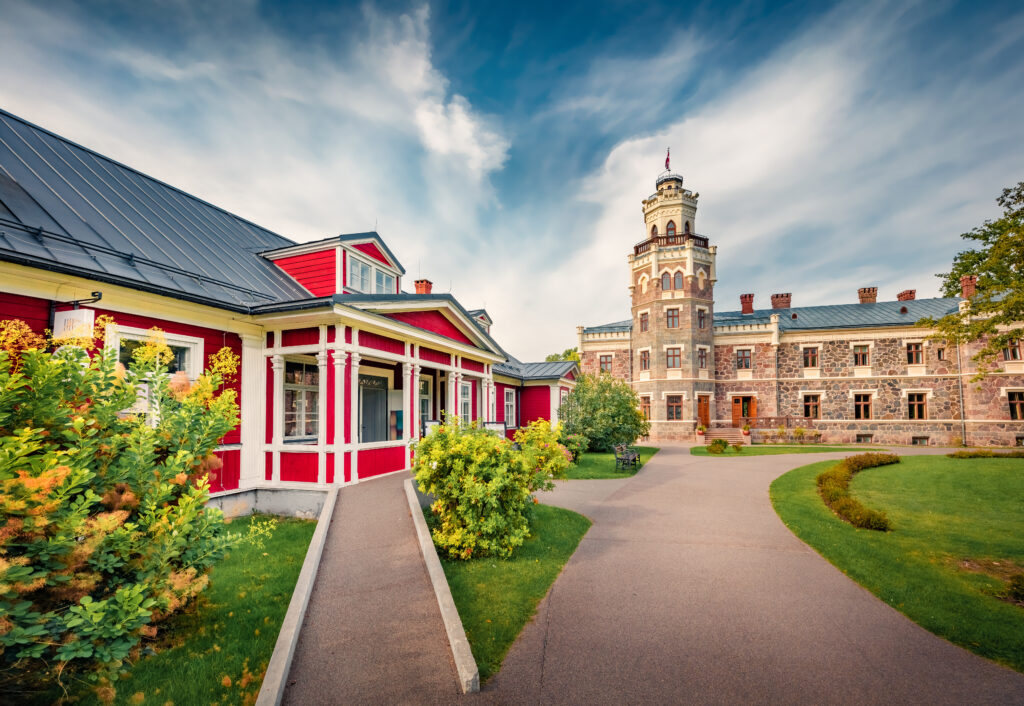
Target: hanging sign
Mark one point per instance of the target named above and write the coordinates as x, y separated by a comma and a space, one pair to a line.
76, 323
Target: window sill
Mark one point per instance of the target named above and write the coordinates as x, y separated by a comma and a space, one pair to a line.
311, 440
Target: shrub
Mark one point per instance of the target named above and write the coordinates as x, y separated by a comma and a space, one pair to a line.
481, 487
718, 446
543, 456
605, 410
577, 444
104, 527
798, 434
834, 488
738, 448
986, 453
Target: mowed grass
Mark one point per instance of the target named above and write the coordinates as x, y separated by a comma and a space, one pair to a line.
943, 511
764, 450
218, 651
602, 465
496, 597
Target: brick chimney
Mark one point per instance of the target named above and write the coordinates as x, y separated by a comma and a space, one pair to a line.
968, 283
867, 295
424, 286
781, 301
907, 295
747, 303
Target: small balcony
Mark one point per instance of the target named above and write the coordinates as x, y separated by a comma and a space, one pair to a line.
661, 241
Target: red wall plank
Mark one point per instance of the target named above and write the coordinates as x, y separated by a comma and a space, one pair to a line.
433, 321
381, 343
472, 365
299, 467
34, 312
228, 476
374, 462
300, 337
315, 271
536, 404
435, 356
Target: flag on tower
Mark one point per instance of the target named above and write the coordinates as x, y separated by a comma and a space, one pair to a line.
666, 157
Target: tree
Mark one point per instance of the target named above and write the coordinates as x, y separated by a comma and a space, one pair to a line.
996, 311
567, 354
103, 526
604, 409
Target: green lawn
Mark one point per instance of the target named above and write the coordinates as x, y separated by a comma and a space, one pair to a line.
602, 465
772, 450
496, 597
232, 631
944, 511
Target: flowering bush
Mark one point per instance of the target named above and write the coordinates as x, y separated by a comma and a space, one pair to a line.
577, 444
544, 457
103, 525
481, 489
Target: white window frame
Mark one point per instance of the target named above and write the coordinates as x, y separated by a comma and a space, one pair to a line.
285, 386
357, 262
429, 397
389, 282
494, 405
466, 401
193, 364
510, 407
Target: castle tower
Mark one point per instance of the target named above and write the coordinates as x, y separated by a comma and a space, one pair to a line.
672, 278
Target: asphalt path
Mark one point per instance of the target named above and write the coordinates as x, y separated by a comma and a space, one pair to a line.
689, 589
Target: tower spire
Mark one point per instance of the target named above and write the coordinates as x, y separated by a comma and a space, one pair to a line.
667, 153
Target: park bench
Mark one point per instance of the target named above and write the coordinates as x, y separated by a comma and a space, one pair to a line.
625, 457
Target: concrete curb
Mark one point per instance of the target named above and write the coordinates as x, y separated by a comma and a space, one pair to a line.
272, 690
469, 675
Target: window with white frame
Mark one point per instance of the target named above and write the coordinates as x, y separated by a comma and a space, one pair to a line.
187, 351
301, 399
510, 407
358, 275
494, 404
385, 283
466, 401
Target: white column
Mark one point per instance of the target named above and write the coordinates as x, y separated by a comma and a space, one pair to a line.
414, 417
254, 399
407, 408
339, 416
456, 383
277, 364
353, 366
321, 418
556, 402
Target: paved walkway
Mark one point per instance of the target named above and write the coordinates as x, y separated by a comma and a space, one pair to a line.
689, 589
373, 631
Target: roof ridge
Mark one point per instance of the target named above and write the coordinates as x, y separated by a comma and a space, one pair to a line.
142, 174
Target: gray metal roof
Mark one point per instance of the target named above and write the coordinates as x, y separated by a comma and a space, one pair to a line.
837, 316
344, 238
534, 371
626, 325
66, 208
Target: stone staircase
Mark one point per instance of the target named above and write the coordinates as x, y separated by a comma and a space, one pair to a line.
730, 434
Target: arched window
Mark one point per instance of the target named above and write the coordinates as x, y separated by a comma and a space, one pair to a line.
670, 229
679, 280
666, 281
686, 227
654, 231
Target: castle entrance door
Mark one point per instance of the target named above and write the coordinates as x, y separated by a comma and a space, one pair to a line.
704, 410
743, 406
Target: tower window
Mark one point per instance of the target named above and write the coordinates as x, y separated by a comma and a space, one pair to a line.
644, 321
645, 360
670, 229
743, 359
679, 280
654, 231
672, 318
686, 227
645, 407
702, 359
702, 318
672, 358
666, 281
606, 364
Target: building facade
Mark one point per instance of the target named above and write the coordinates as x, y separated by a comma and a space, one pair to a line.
341, 369
859, 372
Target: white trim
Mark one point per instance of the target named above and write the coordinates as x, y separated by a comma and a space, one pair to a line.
666, 393
1004, 392
850, 393
820, 393
115, 333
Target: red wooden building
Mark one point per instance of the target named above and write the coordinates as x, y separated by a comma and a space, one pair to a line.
341, 368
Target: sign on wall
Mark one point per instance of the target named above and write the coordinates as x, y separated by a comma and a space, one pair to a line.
76, 323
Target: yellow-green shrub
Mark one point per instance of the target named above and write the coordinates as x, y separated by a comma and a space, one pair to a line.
834, 488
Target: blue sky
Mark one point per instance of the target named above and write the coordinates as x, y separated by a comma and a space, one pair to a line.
502, 149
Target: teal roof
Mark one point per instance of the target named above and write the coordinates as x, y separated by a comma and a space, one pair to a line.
626, 325
878, 314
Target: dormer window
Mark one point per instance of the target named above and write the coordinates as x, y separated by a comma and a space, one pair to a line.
385, 283
670, 229
359, 276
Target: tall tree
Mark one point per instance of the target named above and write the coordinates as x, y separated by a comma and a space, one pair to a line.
567, 354
996, 310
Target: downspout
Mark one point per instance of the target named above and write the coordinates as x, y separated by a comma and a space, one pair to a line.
960, 381
776, 340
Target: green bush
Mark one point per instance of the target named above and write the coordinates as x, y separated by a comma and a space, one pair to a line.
605, 410
103, 526
1015, 589
986, 453
834, 488
738, 448
718, 446
577, 444
481, 484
